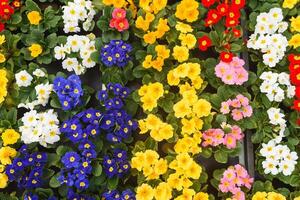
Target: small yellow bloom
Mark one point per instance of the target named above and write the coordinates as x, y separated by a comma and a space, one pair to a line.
2, 39
150, 37
289, 3
202, 108
2, 58
180, 53
34, 17
295, 23
163, 192
3, 85
6, 153
35, 50
275, 196
183, 28
260, 196
144, 192
297, 198
10, 136
3, 180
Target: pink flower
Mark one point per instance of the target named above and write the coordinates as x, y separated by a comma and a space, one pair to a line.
247, 111
229, 174
236, 131
238, 194
225, 108
226, 185
121, 24
241, 76
237, 62
248, 182
230, 141
237, 114
213, 137
229, 77
244, 100
241, 171
119, 13
236, 103
221, 68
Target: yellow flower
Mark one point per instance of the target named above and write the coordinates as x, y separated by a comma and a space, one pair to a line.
162, 28
10, 136
156, 89
194, 171
161, 166
202, 108
180, 53
151, 157
147, 62
162, 51
260, 196
172, 78
187, 10
163, 191
2, 58
158, 5
149, 103
142, 126
182, 109
194, 70
201, 196
183, 28
2, 168
6, 153
150, 37
3, 85
188, 126
115, 3
197, 82
137, 162
184, 160
3, 180
35, 50
275, 196
2, 39
295, 23
188, 40
34, 17
152, 122
158, 63
186, 194
165, 132
289, 3
174, 181
297, 198
144, 192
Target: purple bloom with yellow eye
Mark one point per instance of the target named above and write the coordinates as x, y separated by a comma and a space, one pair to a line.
71, 159
92, 130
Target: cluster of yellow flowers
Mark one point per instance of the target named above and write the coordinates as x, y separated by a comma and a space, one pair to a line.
162, 27
186, 70
189, 144
150, 94
289, 3
162, 53
153, 6
3, 85
35, 50
158, 129
144, 23
150, 164
9, 137
295, 27
34, 17
268, 196
187, 10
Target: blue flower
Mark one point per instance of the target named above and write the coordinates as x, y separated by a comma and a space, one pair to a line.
89, 153
113, 138
40, 157
82, 184
30, 196
116, 53
107, 122
102, 95
120, 154
128, 195
86, 166
86, 144
11, 172
71, 159
92, 130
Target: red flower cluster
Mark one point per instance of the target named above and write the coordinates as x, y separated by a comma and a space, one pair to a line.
6, 10
204, 42
231, 12
294, 68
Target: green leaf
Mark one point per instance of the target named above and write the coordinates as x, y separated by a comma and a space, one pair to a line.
32, 6
221, 156
97, 169
54, 183
112, 183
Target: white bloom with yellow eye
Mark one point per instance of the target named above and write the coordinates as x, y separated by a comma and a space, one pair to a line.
23, 78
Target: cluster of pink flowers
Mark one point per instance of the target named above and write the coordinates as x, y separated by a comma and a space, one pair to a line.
233, 179
228, 136
119, 20
232, 73
239, 107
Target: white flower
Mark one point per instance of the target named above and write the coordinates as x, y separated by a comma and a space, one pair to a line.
275, 116
69, 64
282, 26
276, 14
279, 94
270, 166
88, 63
266, 87
269, 76
60, 52
79, 69
286, 167
23, 78
44, 129
267, 149
43, 92
291, 91
39, 73
284, 78
86, 25
74, 43
71, 27
270, 59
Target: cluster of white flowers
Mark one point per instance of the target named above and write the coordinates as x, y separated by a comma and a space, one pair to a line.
76, 12
275, 85
40, 127
277, 119
268, 36
279, 158
83, 46
43, 90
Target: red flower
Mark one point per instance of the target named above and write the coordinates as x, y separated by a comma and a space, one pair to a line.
119, 24
231, 22
238, 3
227, 46
233, 12
294, 58
295, 78
226, 56
6, 11
204, 42
222, 9
16, 4
293, 67
212, 17
297, 92
3, 2
208, 3
236, 33
296, 105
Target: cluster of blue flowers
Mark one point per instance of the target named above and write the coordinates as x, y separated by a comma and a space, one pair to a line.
116, 53
116, 121
68, 90
116, 195
117, 165
74, 196
30, 196
79, 129
27, 169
